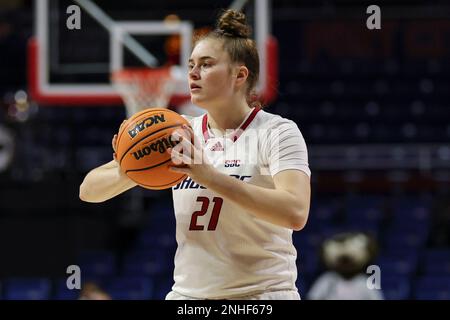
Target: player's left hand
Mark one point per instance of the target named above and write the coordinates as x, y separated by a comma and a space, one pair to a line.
189, 158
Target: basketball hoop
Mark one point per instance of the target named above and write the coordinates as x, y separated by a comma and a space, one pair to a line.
142, 88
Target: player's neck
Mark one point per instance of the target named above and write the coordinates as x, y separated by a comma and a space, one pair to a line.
228, 117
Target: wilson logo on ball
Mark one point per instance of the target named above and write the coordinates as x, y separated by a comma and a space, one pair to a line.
160, 145
145, 124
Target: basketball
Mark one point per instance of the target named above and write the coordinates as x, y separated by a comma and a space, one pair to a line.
142, 144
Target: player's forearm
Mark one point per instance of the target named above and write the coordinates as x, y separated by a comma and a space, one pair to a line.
275, 206
104, 182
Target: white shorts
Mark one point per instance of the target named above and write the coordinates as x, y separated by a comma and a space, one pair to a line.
270, 295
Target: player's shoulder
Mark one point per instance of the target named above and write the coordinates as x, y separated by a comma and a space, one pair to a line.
271, 120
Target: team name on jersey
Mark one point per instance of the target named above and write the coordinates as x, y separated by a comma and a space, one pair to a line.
188, 183
232, 163
148, 122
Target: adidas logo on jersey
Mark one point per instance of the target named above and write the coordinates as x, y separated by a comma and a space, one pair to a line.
217, 146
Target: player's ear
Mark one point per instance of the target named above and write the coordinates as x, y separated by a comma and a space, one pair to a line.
241, 75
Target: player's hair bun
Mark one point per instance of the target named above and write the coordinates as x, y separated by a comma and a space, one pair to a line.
233, 23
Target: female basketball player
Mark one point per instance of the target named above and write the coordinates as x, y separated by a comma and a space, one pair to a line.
234, 216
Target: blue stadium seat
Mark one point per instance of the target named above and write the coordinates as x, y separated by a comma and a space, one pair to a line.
401, 252
321, 214
61, 292
307, 240
433, 287
97, 264
371, 230
368, 215
437, 262
433, 295
411, 209
147, 240
152, 240
161, 210
397, 266
361, 225
307, 262
442, 268
426, 283
365, 209
163, 285
161, 219
148, 263
27, 289
131, 288
397, 239
437, 255
303, 284
395, 287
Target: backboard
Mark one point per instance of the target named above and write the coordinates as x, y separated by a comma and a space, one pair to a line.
71, 64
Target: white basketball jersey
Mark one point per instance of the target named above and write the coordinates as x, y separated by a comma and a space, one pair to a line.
224, 251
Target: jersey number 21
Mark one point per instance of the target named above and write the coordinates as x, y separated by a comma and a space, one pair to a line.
214, 215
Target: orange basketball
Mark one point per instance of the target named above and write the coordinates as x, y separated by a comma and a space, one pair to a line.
142, 145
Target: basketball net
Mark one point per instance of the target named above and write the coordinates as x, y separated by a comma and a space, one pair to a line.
142, 88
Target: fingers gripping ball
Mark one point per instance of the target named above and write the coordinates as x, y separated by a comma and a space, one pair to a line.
142, 145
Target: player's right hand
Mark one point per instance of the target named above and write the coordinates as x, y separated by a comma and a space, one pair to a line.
114, 141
